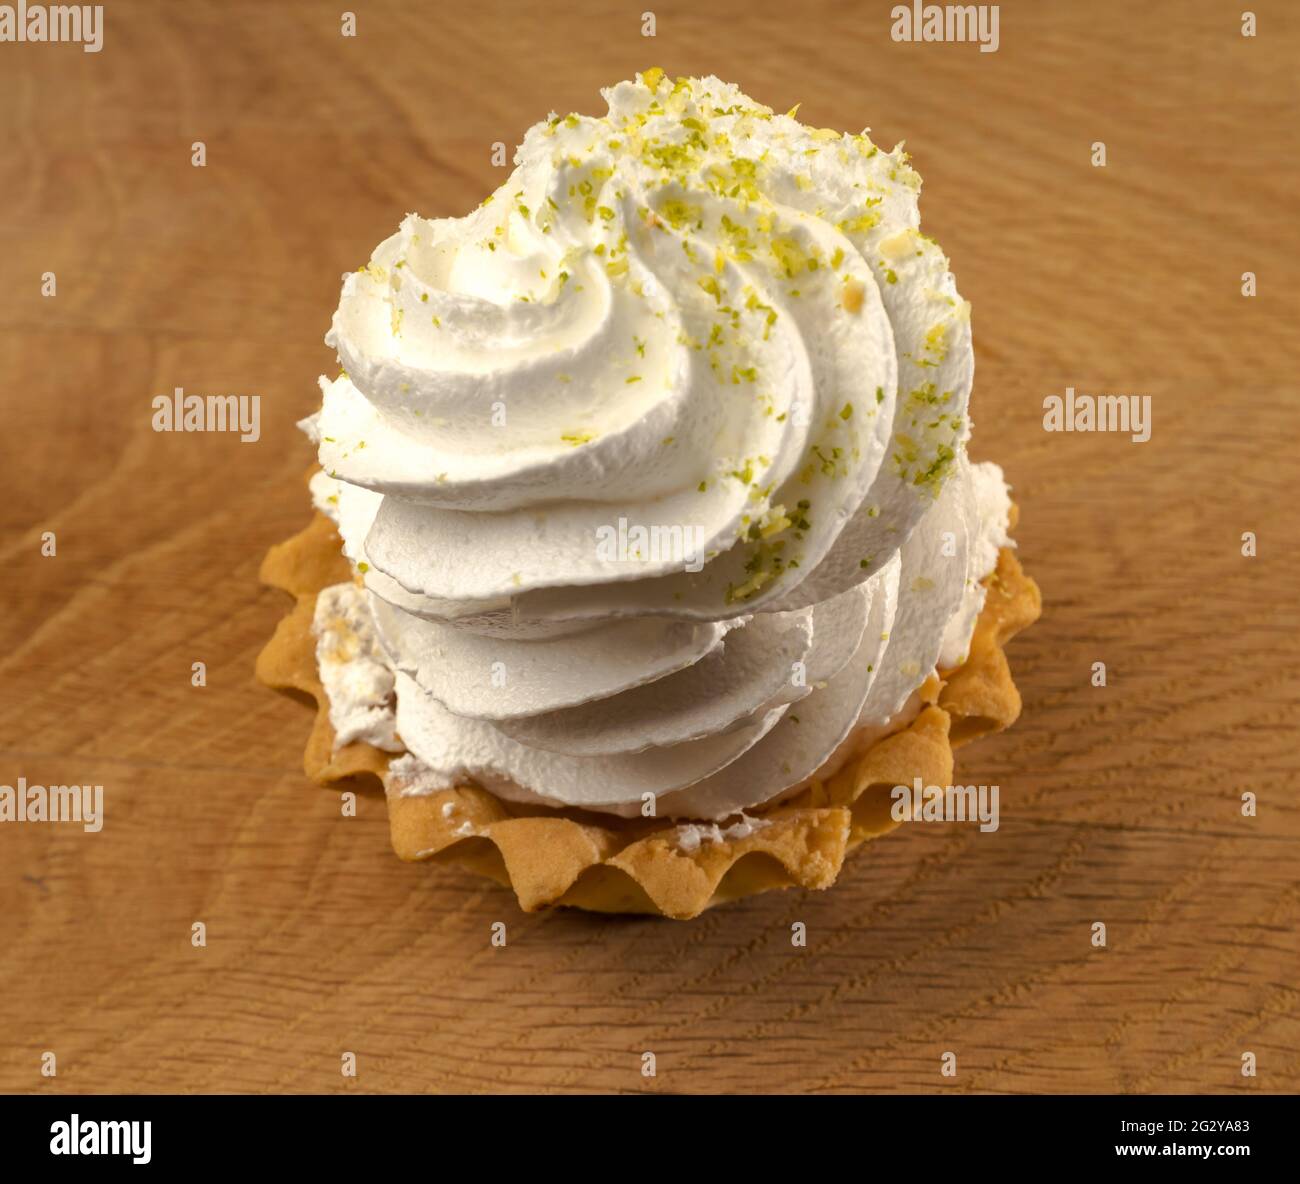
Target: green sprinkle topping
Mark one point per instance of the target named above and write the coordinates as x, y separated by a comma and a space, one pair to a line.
867, 221
679, 214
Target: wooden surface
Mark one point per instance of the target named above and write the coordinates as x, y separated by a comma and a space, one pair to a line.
1119, 805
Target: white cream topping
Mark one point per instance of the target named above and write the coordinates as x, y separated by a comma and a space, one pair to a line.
691, 836
992, 507
709, 329
356, 675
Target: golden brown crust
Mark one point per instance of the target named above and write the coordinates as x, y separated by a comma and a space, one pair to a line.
980, 695
603, 864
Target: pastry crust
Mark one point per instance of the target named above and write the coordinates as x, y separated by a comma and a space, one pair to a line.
604, 864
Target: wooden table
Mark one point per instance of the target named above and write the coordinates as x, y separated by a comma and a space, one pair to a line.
1120, 804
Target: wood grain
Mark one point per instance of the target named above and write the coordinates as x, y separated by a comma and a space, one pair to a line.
1120, 804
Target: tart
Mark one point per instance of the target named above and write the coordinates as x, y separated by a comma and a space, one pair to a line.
648, 557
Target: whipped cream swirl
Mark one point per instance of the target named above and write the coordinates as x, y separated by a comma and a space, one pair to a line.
652, 468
